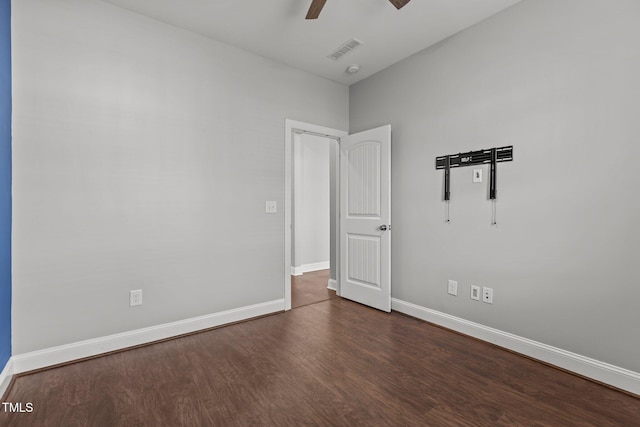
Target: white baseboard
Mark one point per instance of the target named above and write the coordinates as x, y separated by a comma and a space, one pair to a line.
600, 371
5, 376
332, 285
79, 350
306, 268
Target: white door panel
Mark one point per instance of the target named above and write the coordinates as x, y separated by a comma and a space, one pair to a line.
365, 206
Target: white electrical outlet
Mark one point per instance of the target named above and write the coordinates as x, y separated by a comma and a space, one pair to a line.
135, 297
453, 287
475, 293
487, 295
270, 206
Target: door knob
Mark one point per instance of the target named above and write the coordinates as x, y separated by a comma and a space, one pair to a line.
382, 228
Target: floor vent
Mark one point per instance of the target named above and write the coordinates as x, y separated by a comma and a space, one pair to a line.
345, 48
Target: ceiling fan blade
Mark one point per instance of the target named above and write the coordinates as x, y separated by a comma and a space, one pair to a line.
315, 9
399, 3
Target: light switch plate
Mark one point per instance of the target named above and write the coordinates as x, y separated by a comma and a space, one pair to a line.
477, 175
270, 206
135, 297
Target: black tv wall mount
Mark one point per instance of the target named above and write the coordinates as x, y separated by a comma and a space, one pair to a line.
491, 156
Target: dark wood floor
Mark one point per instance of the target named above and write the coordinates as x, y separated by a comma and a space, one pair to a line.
333, 363
310, 288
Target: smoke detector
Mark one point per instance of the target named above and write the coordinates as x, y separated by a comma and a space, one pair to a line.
352, 69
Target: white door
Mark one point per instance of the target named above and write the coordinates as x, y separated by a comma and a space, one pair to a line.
365, 217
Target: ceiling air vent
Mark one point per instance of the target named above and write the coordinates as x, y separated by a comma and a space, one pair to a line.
345, 48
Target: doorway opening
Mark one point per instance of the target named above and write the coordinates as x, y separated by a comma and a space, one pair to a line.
306, 244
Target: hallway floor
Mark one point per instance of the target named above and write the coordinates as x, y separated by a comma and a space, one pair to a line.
310, 288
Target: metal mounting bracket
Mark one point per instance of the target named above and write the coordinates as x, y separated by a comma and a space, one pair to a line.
470, 158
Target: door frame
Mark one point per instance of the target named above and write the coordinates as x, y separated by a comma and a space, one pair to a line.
293, 127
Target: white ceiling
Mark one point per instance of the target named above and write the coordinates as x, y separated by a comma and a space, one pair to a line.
277, 29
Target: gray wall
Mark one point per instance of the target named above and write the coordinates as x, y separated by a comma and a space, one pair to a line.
311, 199
560, 80
143, 155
